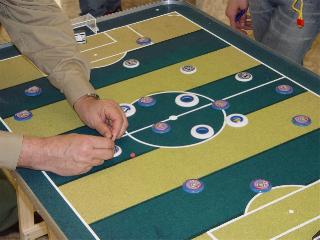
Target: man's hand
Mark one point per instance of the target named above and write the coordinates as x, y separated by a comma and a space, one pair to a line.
103, 115
233, 8
65, 155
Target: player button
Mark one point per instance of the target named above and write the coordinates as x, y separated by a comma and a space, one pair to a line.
188, 69
187, 100
147, 101
23, 115
143, 41
33, 91
131, 63
284, 89
161, 127
202, 131
220, 105
301, 120
243, 76
128, 109
117, 151
260, 186
237, 120
193, 186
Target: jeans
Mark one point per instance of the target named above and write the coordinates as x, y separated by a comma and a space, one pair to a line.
99, 8
274, 24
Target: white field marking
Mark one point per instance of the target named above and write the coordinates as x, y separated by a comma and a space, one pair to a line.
178, 14
296, 227
138, 130
61, 194
124, 52
264, 206
165, 14
206, 105
100, 59
179, 115
250, 89
211, 236
6, 126
136, 32
123, 56
257, 195
109, 36
106, 32
103, 45
70, 205
5, 59
252, 56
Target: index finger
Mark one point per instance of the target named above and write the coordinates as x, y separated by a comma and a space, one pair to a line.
117, 121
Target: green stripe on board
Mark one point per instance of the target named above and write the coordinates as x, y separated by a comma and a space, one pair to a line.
268, 96
178, 215
162, 170
46, 121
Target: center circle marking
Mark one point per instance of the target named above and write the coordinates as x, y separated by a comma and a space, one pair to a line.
155, 140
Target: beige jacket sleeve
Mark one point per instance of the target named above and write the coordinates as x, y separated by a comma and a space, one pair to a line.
43, 33
10, 145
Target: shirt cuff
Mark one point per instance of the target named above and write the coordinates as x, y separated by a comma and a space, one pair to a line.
10, 148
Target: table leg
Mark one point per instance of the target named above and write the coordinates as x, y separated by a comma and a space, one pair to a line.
28, 228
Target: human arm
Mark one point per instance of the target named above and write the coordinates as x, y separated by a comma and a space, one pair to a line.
234, 7
43, 33
10, 147
65, 155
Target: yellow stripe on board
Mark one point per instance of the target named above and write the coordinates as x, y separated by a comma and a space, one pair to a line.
260, 200
113, 42
164, 27
126, 40
17, 70
204, 236
275, 193
159, 171
95, 41
256, 225
58, 117
158, 29
305, 232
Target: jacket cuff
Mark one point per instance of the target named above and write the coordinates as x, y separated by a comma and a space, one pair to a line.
73, 84
10, 145
74, 91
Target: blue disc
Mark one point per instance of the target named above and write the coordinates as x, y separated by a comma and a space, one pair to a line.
161, 127
143, 40
260, 186
33, 91
146, 101
202, 130
23, 115
193, 186
301, 120
187, 98
284, 89
220, 105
